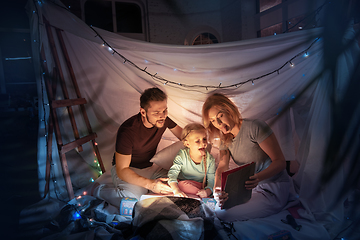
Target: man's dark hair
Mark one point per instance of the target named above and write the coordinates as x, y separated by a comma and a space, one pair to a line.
151, 94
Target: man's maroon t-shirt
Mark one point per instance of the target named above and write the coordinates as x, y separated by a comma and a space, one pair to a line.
134, 139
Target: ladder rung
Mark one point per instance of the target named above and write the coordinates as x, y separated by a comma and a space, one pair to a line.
67, 102
78, 142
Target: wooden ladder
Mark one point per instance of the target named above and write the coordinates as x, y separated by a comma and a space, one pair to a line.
51, 79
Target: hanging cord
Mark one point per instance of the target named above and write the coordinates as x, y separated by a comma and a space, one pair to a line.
229, 228
204, 180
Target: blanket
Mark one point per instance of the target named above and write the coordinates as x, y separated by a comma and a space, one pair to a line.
90, 218
175, 218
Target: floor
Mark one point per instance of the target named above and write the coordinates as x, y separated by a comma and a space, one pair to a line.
19, 158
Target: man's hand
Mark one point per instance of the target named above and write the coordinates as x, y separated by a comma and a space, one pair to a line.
179, 193
159, 187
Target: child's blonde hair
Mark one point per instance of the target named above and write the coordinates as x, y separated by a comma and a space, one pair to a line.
191, 127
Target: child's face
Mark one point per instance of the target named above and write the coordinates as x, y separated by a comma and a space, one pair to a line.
197, 143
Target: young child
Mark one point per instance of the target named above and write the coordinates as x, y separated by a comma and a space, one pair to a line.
193, 169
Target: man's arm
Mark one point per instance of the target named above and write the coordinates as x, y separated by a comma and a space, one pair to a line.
177, 131
126, 174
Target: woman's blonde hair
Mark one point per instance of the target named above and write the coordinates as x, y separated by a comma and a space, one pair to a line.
191, 127
225, 105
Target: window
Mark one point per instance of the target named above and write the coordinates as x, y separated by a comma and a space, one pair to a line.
205, 38
299, 23
99, 14
264, 5
128, 18
272, 30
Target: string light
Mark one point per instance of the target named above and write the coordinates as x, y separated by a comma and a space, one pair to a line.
76, 216
169, 82
236, 85
96, 166
316, 12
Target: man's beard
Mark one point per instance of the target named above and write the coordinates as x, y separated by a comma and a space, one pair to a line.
153, 124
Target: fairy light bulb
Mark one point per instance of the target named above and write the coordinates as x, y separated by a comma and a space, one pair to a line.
76, 216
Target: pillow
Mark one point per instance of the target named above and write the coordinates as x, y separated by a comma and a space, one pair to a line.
166, 156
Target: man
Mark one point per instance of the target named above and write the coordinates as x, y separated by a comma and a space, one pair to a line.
136, 143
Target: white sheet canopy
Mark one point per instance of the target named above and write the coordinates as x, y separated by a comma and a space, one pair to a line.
256, 74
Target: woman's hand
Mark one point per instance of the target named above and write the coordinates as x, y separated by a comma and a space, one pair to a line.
252, 182
220, 196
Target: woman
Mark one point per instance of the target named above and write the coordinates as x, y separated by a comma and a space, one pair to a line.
247, 140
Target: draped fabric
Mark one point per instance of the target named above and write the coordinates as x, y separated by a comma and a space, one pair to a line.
262, 76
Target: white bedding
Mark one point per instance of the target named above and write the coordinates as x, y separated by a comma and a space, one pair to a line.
252, 229
259, 228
